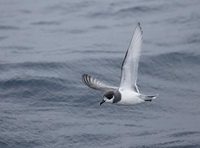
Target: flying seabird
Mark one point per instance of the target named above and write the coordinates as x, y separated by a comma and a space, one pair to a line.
128, 92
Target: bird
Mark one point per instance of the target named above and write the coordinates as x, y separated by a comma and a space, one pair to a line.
128, 92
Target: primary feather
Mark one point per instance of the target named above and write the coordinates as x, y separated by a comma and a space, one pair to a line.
96, 84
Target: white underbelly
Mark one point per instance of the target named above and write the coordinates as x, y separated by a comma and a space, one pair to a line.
130, 97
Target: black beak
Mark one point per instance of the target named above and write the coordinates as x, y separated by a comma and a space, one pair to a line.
102, 102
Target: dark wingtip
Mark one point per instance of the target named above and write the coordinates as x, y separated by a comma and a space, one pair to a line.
87, 80
84, 78
84, 75
139, 25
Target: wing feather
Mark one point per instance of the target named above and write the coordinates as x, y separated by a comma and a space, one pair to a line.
129, 67
96, 84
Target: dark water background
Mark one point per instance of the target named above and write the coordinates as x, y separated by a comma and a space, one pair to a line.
45, 47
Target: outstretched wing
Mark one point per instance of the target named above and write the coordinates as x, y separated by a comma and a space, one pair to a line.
96, 84
129, 67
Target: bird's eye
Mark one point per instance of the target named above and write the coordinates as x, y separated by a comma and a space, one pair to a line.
110, 96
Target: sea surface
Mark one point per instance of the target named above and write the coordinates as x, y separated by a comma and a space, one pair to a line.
46, 46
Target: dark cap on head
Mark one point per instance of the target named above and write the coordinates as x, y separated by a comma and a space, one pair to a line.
109, 95
114, 95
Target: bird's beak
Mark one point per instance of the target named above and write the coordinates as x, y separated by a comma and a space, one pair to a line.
102, 101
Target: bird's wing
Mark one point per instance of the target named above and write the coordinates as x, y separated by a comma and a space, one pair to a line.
96, 84
129, 67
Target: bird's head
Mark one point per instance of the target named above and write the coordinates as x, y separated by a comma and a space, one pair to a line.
108, 97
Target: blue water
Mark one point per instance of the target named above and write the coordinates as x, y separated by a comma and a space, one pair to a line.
45, 47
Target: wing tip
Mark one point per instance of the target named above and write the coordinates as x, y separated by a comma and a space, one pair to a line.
139, 26
84, 75
84, 78
87, 80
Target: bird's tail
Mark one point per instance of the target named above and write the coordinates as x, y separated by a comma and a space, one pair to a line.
149, 97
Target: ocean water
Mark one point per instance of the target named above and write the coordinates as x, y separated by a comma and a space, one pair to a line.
45, 47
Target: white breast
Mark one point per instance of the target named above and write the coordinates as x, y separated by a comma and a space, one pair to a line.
129, 97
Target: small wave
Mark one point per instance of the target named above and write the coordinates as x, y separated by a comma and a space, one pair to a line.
3, 38
32, 89
163, 62
33, 65
129, 11
8, 27
77, 31
4, 144
194, 38
100, 14
48, 23
188, 19
186, 133
168, 144
181, 58
25, 11
67, 7
177, 20
89, 139
177, 145
99, 27
16, 48
138, 9
40, 65
31, 82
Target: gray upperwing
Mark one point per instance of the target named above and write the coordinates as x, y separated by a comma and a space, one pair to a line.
129, 67
96, 84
